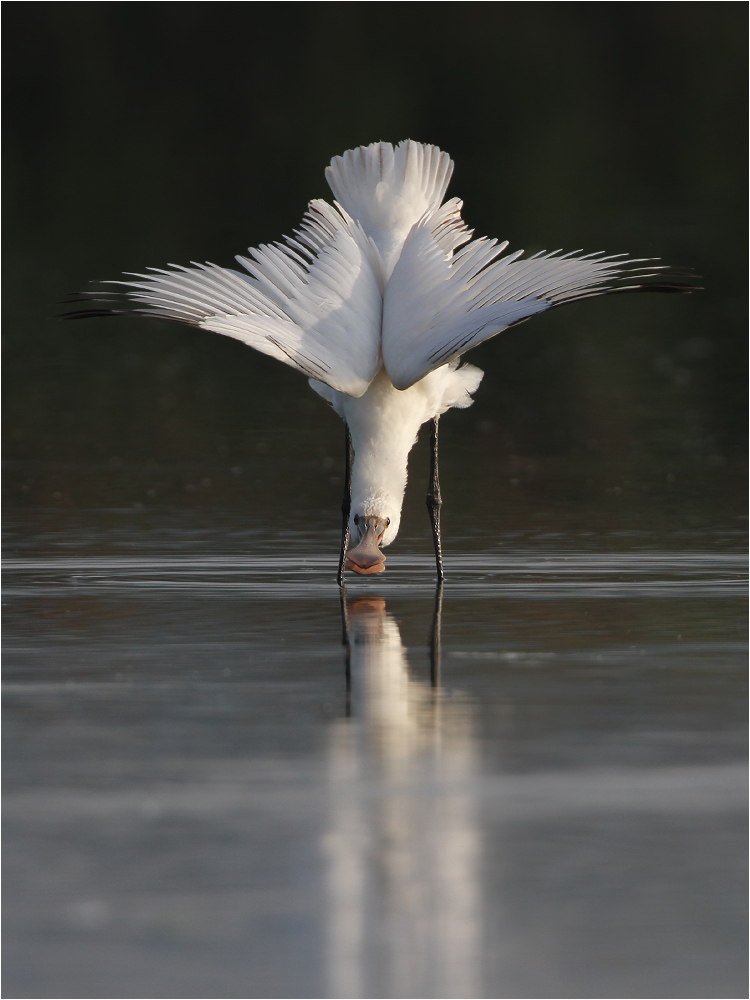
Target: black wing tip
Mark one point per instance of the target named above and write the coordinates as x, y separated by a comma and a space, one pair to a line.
100, 313
90, 313
93, 305
680, 280
680, 288
664, 279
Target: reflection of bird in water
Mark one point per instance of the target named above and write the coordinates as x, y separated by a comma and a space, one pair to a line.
403, 843
376, 299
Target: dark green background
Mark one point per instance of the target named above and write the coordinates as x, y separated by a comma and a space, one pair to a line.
140, 134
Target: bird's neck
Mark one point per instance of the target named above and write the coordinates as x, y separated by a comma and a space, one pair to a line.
384, 424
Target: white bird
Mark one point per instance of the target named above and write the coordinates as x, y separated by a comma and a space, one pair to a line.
376, 298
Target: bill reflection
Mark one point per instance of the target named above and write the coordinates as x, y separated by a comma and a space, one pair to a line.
403, 843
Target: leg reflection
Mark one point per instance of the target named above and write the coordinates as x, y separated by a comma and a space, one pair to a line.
436, 637
347, 648
402, 842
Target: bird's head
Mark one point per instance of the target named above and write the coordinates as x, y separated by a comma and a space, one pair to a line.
369, 533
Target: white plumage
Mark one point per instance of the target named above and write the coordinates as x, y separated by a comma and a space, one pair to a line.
384, 424
375, 299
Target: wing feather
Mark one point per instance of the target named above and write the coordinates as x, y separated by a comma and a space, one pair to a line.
392, 278
441, 301
388, 189
314, 303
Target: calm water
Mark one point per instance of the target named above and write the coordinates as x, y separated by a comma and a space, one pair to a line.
539, 793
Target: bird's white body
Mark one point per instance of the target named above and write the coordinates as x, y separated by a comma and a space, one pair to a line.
375, 299
384, 423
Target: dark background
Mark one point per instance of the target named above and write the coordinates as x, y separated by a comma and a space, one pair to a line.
140, 134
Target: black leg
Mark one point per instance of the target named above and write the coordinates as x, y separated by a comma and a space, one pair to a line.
346, 506
434, 501
435, 636
347, 650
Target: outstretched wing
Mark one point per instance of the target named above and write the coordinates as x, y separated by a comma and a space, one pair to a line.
314, 303
449, 293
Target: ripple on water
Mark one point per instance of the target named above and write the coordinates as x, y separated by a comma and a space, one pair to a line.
608, 575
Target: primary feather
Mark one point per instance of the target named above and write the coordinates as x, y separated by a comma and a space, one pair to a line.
314, 303
449, 293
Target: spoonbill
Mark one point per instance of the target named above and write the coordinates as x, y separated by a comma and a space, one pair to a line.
375, 299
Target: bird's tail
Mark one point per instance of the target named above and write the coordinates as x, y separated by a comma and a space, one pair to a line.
387, 190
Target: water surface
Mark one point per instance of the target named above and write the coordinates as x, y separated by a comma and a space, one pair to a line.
208, 793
